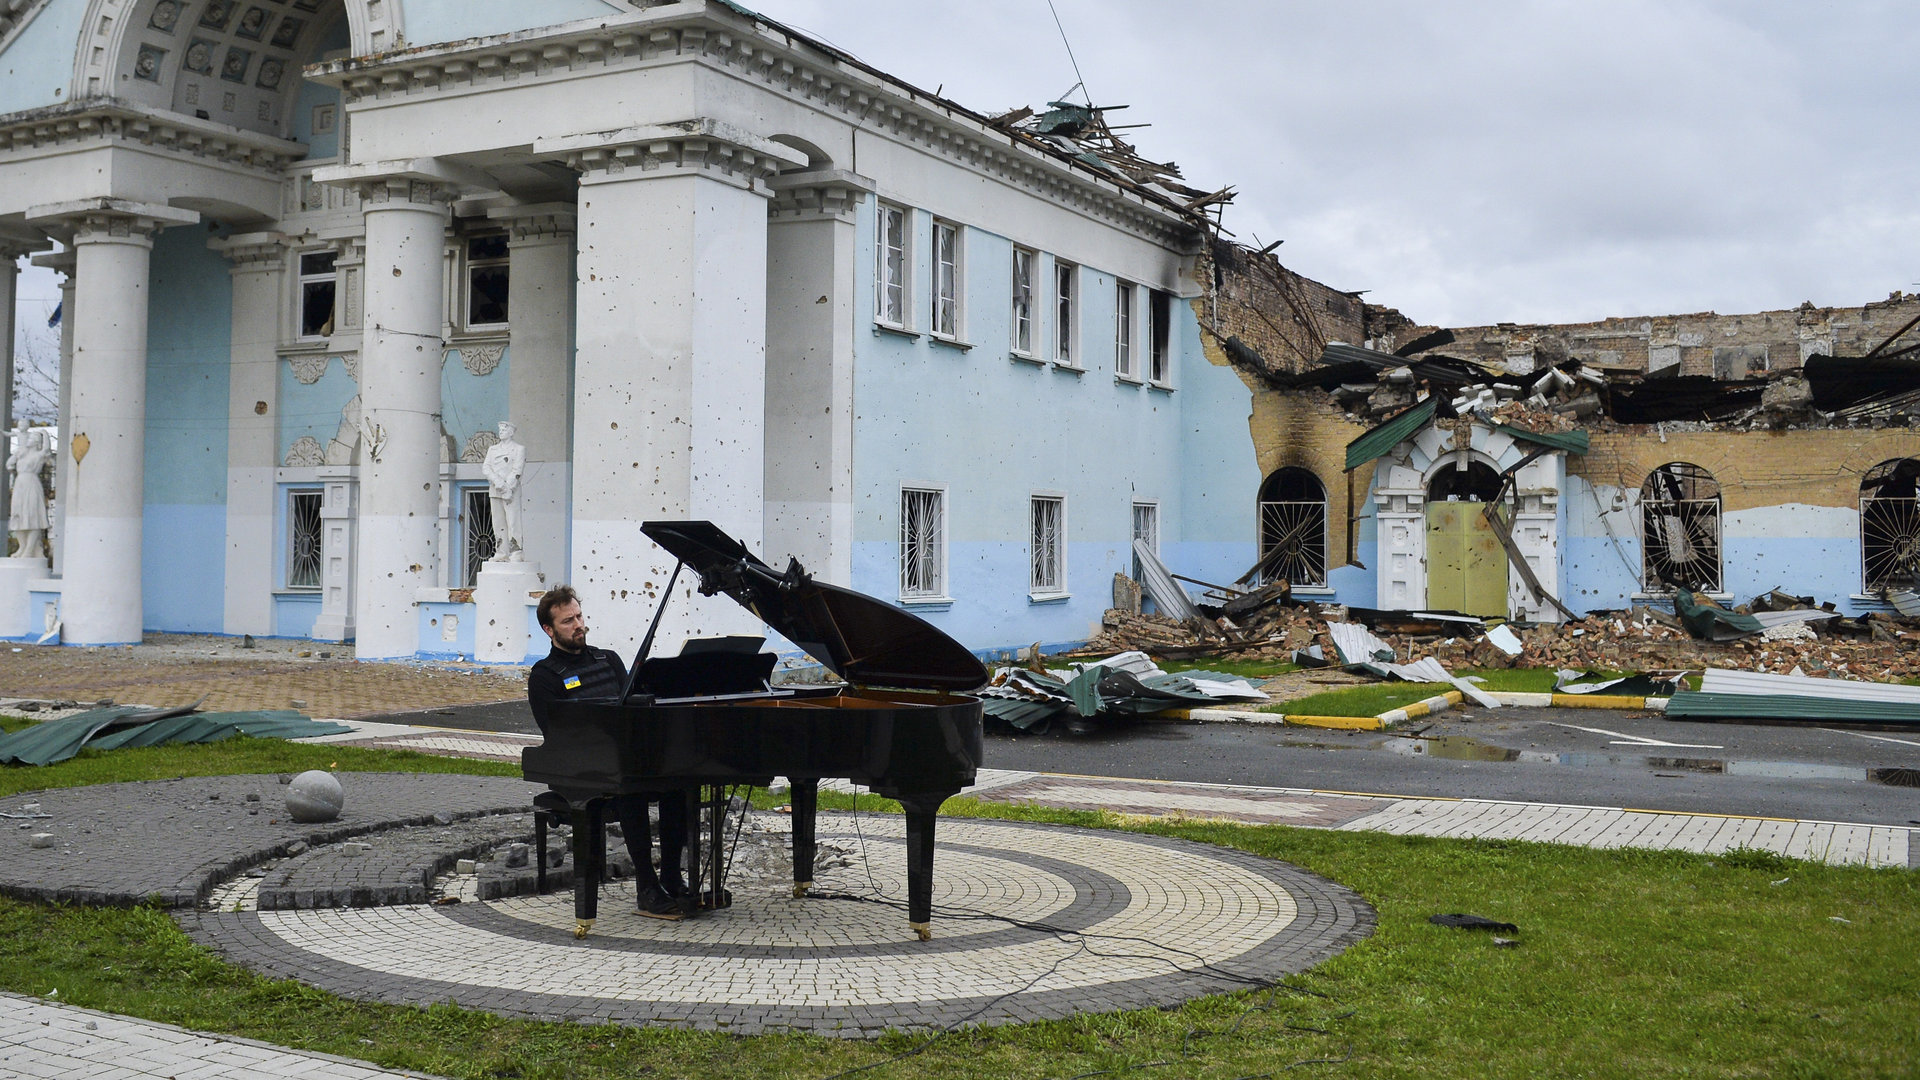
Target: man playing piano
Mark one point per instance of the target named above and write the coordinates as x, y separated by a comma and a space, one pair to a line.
575, 671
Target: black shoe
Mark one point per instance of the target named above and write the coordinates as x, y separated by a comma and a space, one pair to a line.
673, 885
656, 904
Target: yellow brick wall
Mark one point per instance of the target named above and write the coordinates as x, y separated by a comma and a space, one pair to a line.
1754, 468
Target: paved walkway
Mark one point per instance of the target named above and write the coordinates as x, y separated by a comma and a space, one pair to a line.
1032, 921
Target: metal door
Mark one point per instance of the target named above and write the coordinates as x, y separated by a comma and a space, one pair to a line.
1466, 570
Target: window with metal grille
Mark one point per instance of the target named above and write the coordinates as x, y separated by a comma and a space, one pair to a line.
1146, 526
946, 279
1065, 326
1123, 330
1023, 301
1890, 526
1293, 529
304, 538
890, 277
476, 533
487, 263
1680, 528
923, 542
1049, 545
317, 279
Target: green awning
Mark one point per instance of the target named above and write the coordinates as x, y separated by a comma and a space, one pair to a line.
1573, 442
1392, 433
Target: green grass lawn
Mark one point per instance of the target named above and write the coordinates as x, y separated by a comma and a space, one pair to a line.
1629, 964
1371, 699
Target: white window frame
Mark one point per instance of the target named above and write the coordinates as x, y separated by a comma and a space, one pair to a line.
1151, 514
303, 278
1066, 313
319, 497
922, 590
1047, 545
1124, 343
893, 268
468, 265
1025, 262
1160, 337
949, 281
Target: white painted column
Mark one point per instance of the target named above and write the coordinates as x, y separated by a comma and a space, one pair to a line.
670, 365
540, 371
809, 415
9, 281
398, 549
101, 600
253, 409
61, 262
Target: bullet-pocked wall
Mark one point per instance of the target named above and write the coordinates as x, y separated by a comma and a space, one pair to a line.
189, 328
1789, 511
993, 418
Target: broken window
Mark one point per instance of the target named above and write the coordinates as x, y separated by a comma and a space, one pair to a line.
476, 533
1023, 301
923, 543
1123, 330
890, 271
1146, 526
317, 280
487, 279
1293, 529
946, 279
1159, 323
1065, 325
1475, 483
1680, 528
1048, 547
303, 538
1890, 525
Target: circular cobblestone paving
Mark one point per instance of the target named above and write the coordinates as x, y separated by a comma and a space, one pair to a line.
1030, 922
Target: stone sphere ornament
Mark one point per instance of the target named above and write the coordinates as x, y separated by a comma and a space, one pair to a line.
315, 796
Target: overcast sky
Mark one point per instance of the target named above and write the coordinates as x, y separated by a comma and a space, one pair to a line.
1483, 161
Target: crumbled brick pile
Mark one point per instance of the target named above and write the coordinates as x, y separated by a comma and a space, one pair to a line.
1880, 648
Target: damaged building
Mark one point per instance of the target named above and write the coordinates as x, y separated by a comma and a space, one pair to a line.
1538, 472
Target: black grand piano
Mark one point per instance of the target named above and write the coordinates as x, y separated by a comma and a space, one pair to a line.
709, 718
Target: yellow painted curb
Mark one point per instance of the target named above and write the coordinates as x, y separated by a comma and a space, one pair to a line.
1598, 701
1347, 723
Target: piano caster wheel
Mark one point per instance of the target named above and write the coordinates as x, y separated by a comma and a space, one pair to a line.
800, 888
580, 928
923, 930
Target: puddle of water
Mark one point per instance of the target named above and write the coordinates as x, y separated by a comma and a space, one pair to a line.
1467, 748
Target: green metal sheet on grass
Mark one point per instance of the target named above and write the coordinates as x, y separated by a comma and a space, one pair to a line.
1704, 706
110, 728
51, 741
1390, 434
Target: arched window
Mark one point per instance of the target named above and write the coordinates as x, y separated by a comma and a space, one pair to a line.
1680, 528
1293, 529
1890, 525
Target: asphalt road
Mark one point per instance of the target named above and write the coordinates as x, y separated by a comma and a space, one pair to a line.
1587, 757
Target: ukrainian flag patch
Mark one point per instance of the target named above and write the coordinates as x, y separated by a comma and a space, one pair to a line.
573, 682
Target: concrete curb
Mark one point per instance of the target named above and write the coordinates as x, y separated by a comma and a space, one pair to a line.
1436, 704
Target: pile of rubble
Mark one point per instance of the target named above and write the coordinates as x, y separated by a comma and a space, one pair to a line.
1876, 646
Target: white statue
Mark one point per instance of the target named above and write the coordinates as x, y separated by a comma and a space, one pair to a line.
28, 521
506, 460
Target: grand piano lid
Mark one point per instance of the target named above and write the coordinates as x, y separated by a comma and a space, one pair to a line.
862, 639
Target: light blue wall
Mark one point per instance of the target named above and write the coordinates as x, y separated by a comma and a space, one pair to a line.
995, 430
189, 318
313, 410
313, 94
294, 615
471, 403
37, 68
431, 21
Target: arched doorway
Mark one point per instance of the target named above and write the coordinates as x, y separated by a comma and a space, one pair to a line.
1293, 528
1466, 566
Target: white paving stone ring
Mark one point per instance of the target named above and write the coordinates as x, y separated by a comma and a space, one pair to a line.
1031, 922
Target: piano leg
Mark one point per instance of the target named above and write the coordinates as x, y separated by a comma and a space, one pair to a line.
805, 796
921, 808
589, 862
691, 903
